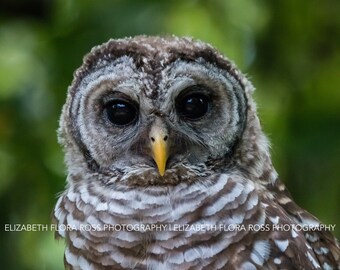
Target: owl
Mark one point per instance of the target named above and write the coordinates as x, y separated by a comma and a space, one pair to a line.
168, 167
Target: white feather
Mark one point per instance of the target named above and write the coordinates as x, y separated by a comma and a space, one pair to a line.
281, 244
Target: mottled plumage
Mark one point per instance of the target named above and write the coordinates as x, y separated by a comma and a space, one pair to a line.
164, 131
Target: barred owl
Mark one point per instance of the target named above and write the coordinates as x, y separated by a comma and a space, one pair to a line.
163, 132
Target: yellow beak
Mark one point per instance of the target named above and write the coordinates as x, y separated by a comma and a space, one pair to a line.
159, 147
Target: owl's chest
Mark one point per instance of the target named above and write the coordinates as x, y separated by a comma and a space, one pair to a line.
169, 237
164, 228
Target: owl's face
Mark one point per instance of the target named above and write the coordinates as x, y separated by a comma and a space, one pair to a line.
155, 109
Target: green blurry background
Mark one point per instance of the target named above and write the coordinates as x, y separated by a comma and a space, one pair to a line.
290, 50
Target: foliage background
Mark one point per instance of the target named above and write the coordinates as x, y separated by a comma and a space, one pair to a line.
290, 49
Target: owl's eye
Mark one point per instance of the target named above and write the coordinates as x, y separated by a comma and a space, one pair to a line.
193, 106
121, 112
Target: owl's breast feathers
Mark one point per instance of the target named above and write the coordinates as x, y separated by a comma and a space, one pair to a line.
224, 222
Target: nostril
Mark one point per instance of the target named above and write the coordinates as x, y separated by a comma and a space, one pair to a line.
152, 139
165, 138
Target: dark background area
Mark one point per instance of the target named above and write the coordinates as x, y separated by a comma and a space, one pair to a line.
289, 49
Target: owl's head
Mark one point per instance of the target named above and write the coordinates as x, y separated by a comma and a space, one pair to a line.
157, 110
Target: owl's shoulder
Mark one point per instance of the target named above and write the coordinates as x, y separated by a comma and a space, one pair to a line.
297, 234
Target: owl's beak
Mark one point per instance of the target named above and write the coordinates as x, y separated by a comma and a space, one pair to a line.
159, 146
